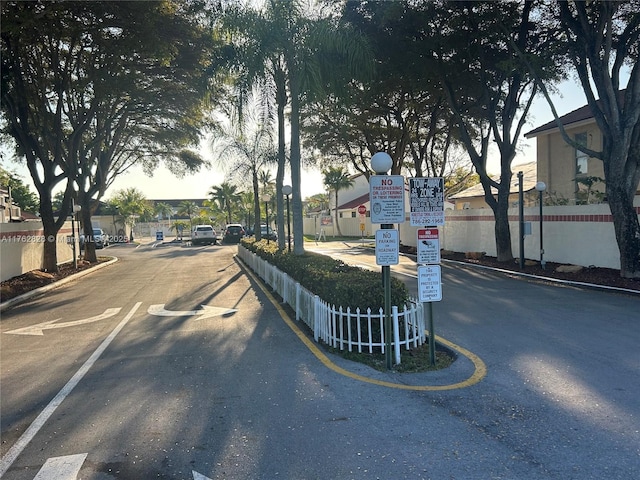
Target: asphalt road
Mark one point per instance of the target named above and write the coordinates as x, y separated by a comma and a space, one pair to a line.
127, 375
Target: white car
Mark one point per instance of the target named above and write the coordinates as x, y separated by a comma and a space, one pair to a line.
203, 235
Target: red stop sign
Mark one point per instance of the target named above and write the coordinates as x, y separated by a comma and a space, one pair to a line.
362, 209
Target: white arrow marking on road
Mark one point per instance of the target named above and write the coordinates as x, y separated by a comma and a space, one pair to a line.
198, 476
206, 311
38, 329
61, 468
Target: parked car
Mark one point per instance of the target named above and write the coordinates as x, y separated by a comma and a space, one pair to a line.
268, 233
204, 235
233, 233
100, 238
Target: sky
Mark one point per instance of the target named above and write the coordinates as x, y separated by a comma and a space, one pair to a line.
164, 185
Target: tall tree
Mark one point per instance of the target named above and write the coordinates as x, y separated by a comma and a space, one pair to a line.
227, 197
90, 88
245, 149
603, 40
288, 48
131, 205
400, 108
164, 209
336, 179
488, 88
190, 209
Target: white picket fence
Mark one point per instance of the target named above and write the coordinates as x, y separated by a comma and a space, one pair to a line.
338, 327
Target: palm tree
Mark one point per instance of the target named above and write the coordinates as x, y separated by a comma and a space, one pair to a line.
317, 202
336, 179
189, 209
131, 204
281, 50
265, 179
227, 197
249, 146
164, 209
179, 226
247, 203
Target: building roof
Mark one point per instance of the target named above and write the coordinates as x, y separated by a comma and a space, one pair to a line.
582, 114
175, 202
353, 204
529, 179
577, 116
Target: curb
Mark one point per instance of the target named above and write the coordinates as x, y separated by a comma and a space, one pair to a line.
39, 291
591, 286
558, 281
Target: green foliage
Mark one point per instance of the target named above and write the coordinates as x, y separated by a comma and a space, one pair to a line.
332, 280
20, 193
587, 193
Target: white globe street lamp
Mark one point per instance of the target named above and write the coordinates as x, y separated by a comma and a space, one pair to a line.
381, 163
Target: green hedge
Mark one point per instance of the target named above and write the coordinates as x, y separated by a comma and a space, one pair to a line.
332, 280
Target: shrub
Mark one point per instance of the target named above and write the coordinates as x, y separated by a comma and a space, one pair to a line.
332, 280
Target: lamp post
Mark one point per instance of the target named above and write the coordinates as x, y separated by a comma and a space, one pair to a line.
521, 218
381, 163
75, 209
266, 198
286, 189
541, 187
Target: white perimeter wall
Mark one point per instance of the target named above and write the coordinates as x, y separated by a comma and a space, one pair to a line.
575, 234
22, 247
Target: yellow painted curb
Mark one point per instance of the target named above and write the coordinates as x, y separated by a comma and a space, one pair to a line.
479, 373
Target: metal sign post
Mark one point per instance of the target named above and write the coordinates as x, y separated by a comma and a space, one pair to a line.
386, 197
426, 197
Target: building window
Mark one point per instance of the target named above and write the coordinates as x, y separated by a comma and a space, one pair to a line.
582, 159
353, 214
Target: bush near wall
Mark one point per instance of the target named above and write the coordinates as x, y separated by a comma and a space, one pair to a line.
332, 280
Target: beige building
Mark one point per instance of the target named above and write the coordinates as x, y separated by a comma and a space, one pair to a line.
572, 177
473, 197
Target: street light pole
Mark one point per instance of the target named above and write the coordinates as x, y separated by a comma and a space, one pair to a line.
74, 211
521, 218
381, 163
541, 187
266, 198
286, 189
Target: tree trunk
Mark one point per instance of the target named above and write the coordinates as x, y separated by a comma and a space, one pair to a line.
50, 258
500, 208
281, 101
621, 189
280, 207
50, 227
503, 232
337, 223
256, 205
298, 232
87, 228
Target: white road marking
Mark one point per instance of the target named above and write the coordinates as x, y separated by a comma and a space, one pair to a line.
198, 476
38, 329
61, 468
206, 311
38, 423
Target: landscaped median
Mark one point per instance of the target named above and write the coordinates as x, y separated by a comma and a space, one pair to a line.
341, 304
